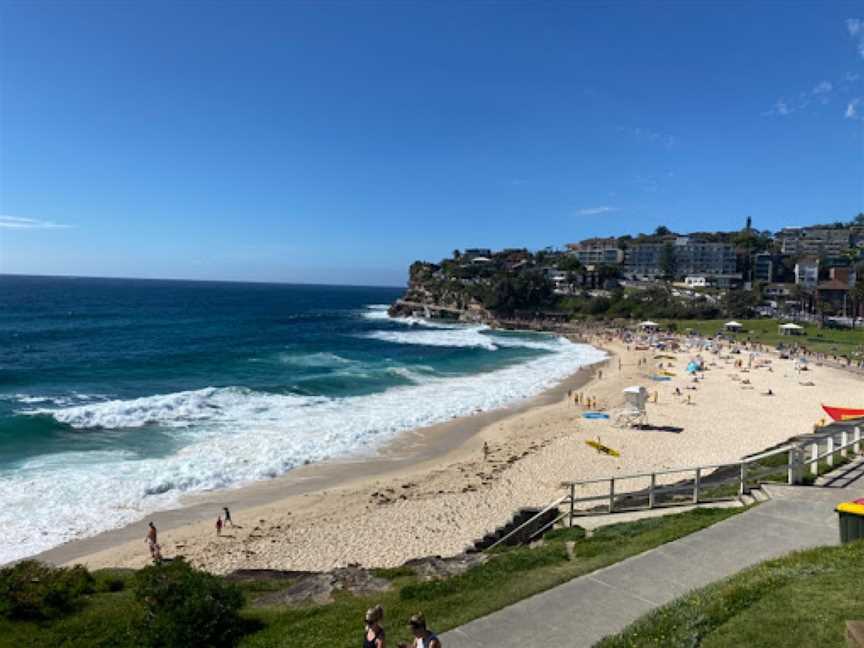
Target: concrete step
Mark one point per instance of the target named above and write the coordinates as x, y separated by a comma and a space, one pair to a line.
746, 499
759, 495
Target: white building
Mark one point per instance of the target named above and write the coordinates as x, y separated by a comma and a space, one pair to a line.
807, 273
696, 281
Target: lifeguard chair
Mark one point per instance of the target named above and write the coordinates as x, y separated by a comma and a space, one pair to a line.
633, 413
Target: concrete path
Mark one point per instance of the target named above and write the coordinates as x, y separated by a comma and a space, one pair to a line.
586, 609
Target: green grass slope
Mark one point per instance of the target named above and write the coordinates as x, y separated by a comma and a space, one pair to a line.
800, 600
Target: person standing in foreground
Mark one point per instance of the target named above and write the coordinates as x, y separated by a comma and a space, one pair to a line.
218, 525
373, 637
227, 516
423, 637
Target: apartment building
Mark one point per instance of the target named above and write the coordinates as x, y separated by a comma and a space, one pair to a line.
597, 251
814, 241
691, 257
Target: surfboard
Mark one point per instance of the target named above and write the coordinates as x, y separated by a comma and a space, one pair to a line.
843, 413
599, 447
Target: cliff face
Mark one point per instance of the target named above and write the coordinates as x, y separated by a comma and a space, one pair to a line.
432, 296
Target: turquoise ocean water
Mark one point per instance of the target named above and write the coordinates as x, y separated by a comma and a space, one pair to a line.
118, 396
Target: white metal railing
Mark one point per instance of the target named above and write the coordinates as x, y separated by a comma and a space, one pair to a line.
695, 486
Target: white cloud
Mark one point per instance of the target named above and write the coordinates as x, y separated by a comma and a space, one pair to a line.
823, 87
596, 211
14, 222
780, 107
852, 109
855, 26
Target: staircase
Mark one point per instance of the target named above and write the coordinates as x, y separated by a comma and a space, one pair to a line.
843, 476
522, 536
754, 496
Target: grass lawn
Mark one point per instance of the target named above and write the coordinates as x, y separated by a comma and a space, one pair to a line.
800, 600
510, 576
839, 342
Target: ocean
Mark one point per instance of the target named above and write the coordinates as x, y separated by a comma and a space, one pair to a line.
118, 396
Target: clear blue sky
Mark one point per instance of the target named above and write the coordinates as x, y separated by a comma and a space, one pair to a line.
338, 142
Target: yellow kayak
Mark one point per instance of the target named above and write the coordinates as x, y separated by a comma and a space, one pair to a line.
599, 447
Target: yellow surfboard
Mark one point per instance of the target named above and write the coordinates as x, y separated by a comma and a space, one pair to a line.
599, 447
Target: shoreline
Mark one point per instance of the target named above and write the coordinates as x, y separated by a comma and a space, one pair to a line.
440, 503
411, 451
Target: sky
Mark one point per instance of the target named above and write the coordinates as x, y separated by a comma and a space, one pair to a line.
337, 142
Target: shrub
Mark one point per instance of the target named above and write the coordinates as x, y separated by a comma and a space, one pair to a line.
35, 591
187, 608
111, 580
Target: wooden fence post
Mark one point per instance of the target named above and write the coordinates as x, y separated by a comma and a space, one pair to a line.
857, 446
814, 465
651, 490
611, 494
742, 478
844, 439
830, 451
696, 485
572, 502
793, 473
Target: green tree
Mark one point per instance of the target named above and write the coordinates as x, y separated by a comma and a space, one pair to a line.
740, 303
668, 263
662, 230
569, 263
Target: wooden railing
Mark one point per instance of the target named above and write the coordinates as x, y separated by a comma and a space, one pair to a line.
699, 484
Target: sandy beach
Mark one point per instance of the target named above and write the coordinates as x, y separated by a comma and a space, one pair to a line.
432, 492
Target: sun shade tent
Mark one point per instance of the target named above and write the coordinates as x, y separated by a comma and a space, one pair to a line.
790, 329
648, 325
733, 326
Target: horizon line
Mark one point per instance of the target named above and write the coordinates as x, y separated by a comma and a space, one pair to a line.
234, 281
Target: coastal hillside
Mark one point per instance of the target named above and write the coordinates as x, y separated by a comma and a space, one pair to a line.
804, 274
518, 285
479, 285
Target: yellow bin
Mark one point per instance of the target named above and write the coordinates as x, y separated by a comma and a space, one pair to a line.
851, 518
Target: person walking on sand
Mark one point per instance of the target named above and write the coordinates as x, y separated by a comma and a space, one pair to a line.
219, 525
423, 637
151, 540
227, 516
373, 637
485, 451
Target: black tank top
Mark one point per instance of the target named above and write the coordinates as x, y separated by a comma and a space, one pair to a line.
367, 643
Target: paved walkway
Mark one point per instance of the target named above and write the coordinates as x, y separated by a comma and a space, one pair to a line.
586, 609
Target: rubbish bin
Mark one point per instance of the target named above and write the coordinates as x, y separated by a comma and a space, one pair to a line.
851, 518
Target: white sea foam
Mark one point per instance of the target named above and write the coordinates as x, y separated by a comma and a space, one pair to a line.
462, 336
379, 312
234, 435
323, 359
58, 401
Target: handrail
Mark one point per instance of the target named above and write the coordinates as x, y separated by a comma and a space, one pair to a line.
830, 453
743, 477
768, 453
528, 521
668, 471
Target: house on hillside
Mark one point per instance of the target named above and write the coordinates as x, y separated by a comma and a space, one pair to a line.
815, 241
835, 293
597, 251
807, 272
696, 281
